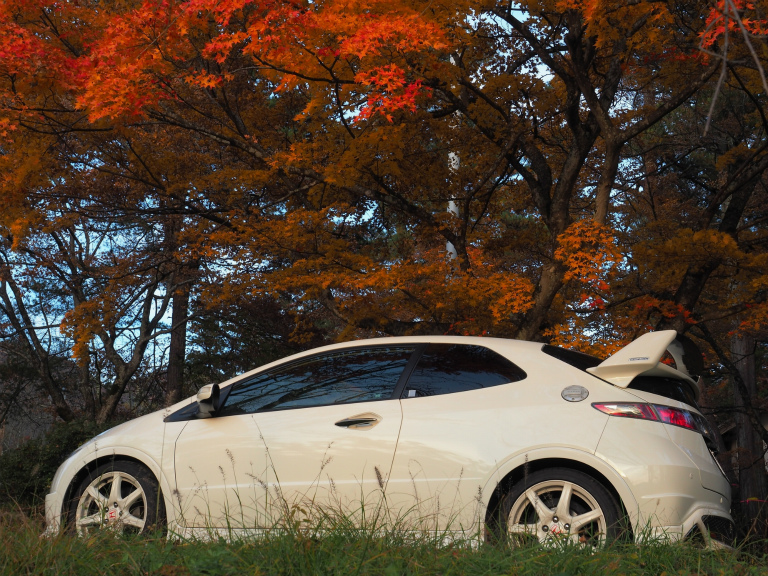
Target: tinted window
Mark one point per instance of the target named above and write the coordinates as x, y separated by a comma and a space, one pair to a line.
576, 359
667, 387
334, 378
448, 368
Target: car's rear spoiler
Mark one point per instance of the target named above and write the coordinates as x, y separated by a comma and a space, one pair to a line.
643, 356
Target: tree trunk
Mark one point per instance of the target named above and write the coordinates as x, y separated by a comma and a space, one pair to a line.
753, 481
550, 283
175, 382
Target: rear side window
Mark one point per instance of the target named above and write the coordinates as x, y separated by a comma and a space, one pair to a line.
449, 368
668, 387
343, 377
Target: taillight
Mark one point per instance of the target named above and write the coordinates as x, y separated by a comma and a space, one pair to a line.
676, 417
627, 410
666, 414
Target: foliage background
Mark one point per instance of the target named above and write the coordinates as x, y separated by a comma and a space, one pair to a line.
191, 188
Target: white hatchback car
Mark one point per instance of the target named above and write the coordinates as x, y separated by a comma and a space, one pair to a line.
479, 436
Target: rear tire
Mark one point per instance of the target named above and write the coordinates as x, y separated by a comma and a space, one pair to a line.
121, 496
557, 505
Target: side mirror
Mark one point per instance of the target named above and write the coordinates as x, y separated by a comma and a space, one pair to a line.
207, 400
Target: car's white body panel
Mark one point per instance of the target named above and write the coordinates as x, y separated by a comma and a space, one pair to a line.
324, 463
669, 494
241, 470
434, 461
693, 446
217, 469
452, 446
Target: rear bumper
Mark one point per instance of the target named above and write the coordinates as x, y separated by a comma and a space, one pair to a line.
703, 522
716, 528
666, 483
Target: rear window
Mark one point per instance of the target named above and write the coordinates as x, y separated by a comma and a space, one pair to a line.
451, 368
576, 359
668, 387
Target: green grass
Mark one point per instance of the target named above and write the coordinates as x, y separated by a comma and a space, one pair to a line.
22, 551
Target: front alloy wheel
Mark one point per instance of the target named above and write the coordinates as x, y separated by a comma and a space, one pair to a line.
120, 496
559, 505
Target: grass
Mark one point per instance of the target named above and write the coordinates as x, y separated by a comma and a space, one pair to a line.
346, 552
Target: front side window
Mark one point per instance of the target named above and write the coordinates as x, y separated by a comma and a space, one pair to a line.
449, 368
341, 377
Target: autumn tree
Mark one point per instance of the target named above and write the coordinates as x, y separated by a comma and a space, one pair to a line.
533, 102
127, 182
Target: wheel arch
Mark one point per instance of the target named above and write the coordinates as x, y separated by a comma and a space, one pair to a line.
105, 457
610, 480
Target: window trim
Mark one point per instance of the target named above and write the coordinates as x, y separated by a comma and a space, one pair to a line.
180, 416
225, 392
402, 383
418, 351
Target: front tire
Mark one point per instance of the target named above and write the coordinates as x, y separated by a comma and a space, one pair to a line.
121, 496
558, 505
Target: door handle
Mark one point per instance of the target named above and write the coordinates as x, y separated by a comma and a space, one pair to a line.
360, 421
349, 422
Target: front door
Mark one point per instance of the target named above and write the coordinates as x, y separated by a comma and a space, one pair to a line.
331, 459
317, 434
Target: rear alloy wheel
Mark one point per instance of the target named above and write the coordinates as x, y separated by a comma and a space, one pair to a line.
121, 496
557, 505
